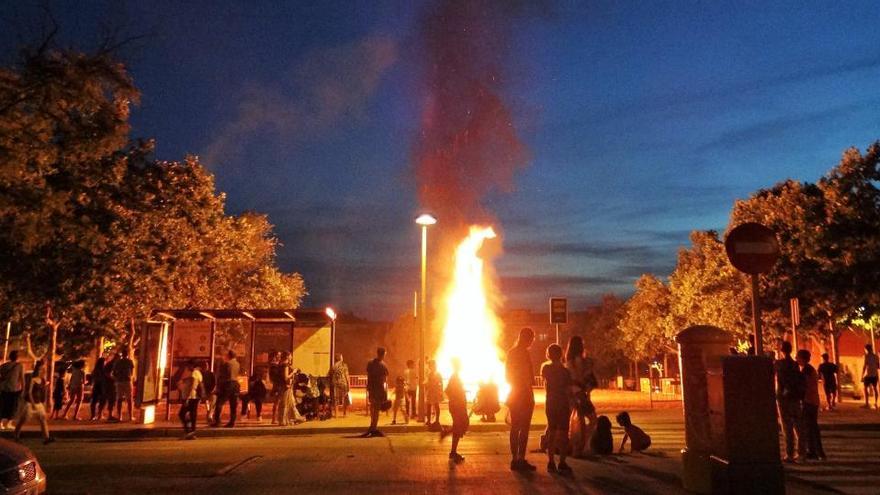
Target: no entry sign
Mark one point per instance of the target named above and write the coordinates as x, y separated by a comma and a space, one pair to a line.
752, 248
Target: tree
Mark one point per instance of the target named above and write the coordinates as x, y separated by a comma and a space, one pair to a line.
601, 335
645, 324
705, 289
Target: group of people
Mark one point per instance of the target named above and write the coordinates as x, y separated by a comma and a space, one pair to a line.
23, 395
569, 379
797, 395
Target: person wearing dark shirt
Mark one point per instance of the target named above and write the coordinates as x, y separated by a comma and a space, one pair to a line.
602, 441
458, 410
123, 369
558, 385
521, 400
34, 407
811, 407
377, 375
828, 372
789, 395
227, 389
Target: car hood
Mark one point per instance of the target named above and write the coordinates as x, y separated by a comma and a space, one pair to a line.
13, 454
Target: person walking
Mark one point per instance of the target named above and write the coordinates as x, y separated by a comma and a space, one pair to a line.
190, 386
828, 373
521, 400
35, 403
227, 389
870, 369
75, 389
123, 371
377, 375
811, 405
458, 410
559, 385
789, 397
11, 388
341, 385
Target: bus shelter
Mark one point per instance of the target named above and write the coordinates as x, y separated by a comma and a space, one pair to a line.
185, 335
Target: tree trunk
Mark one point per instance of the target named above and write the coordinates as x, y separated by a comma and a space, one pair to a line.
50, 354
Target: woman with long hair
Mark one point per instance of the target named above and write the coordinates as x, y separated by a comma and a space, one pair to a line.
584, 381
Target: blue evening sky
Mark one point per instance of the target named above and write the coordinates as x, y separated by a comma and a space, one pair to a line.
644, 120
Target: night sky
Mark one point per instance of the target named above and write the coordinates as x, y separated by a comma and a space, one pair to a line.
642, 121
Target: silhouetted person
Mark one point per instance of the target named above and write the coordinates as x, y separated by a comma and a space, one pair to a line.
227, 389
458, 410
789, 395
639, 440
11, 388
521, 400
123, 371
377, 375
870, 370
601, 441
811, 407
828, 373
558, 385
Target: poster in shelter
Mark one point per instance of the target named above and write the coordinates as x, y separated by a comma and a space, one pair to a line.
153, 336
192, 339
311, 349
270, 337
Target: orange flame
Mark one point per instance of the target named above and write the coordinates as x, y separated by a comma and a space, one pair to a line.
471, 330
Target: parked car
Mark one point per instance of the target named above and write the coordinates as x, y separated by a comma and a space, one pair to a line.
20, 472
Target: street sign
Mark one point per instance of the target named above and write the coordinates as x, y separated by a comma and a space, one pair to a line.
558, 310
752, 248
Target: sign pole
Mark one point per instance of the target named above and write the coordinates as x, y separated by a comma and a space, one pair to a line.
557, 334
795, 321
756, 317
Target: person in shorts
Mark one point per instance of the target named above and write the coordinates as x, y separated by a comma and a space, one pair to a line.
828, 372
123, 370
521, 400
558, 385
870, 374
458, 410
35, 403
400, 400
433, 394
75, 389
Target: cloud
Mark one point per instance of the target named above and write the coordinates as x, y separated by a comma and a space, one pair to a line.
548, 283
325, 86
589, 249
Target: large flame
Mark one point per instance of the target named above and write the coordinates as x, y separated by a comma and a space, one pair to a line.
472, 328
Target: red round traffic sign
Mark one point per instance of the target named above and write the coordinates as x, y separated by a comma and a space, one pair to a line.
752, 248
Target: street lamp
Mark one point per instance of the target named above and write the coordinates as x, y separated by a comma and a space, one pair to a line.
332, 315
424, 220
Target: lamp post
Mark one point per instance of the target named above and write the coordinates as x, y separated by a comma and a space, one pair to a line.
424, 220
332, 315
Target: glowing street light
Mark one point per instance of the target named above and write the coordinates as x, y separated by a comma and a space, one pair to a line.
424, 220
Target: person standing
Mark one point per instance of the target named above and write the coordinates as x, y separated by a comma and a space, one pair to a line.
811, 407
11, 387
458, 410
558, 384
584, 381
870, 374
35, 403
190, 385
209, 390
789, 397
110, 386
227, 389
341, 385
75, 389
98, 397
377, 375
828, 373
433, 394
256, 395
411, 376
123, 370
521, 400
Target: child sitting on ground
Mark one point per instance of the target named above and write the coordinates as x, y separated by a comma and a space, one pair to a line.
601, 441
640, 441
400, 399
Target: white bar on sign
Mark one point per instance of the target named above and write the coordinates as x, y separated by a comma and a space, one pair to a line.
755, 248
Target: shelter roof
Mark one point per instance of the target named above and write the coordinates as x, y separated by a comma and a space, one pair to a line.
305, 316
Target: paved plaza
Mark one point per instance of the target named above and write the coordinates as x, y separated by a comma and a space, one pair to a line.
328, 458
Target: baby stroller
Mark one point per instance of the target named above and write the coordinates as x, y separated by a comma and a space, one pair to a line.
306, 402
325, 409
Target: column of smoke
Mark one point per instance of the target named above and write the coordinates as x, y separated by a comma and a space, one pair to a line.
468, 147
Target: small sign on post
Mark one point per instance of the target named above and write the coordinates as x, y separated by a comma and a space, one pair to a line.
558, 313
